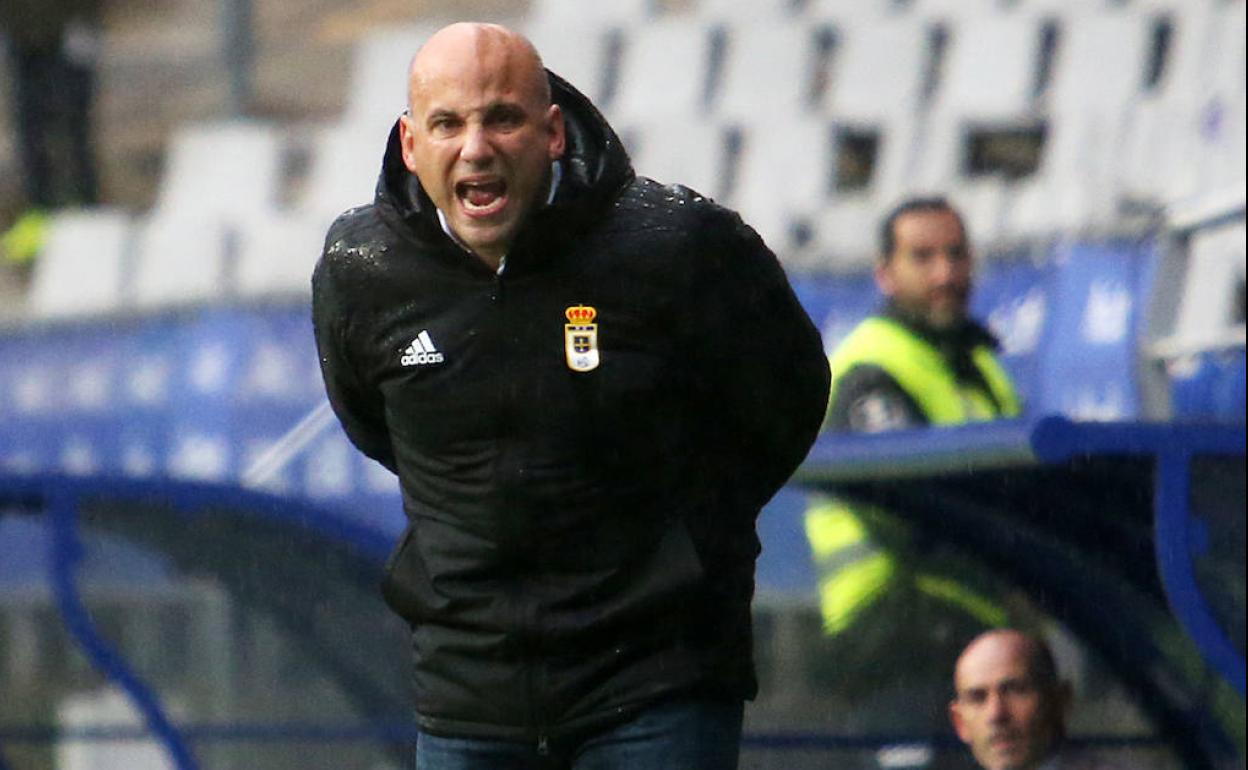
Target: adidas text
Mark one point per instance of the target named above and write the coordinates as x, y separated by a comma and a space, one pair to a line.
417, 359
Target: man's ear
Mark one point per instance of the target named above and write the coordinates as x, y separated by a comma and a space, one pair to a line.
955, 716
407, 141
884, 278
558, 132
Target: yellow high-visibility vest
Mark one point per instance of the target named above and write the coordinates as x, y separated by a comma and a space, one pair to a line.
853, 569
922, 372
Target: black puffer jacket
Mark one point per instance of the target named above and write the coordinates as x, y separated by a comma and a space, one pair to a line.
580, 543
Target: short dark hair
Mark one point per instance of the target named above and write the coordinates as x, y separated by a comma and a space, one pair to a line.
888, 228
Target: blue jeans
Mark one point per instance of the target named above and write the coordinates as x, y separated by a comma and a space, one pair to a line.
679, 735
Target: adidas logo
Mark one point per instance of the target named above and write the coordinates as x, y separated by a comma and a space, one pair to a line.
421, 352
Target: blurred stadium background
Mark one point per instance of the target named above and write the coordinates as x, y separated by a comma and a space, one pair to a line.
189, 546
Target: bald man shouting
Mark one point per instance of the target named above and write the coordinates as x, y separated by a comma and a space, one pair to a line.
588, 385
1010, 706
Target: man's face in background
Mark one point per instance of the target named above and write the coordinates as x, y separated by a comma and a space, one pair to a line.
928, 273
1010, 717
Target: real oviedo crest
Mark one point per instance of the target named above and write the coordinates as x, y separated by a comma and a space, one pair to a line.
580, 338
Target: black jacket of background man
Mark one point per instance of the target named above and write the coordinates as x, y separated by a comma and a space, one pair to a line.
579, 544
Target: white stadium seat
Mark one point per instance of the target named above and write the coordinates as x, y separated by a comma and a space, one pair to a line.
746, 11
956, 8
81, 268
1075, 187
228, 169
990, 69
691, 153
1188, 134
343, 168
1065, 8
276, 255
578, 12
578, 51
768, 70
878, 70
664, 70
1115, 46
179, 259
378, 92
784, 177
840, 10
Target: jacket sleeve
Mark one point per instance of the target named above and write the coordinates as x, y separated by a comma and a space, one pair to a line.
868, 400
359, 405
759, 361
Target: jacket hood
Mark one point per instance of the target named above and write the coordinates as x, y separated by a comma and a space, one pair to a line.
595, 168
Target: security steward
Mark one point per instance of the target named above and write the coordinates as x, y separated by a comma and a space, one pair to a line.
919, 361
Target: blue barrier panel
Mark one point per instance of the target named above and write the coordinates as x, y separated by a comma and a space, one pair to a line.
1088, 366
1012, 299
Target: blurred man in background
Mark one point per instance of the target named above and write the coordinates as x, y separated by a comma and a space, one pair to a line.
920, 360
1010, 707
588, 384
53, 47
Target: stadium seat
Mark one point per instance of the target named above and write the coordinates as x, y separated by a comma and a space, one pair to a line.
1115, 46
954, 9
276, 255
693, 153
229, 169
1207, 308
844, 232
576, 11
1223, 113
746, 11
991, 73
178, 260
1187, 134
1075, 189
877, 71
991, 68
983, 203
1160, 152
580, 51
82, 266
768, 70
664, 70
784, 177
1064, 8
845, 227
343, 167
1075, 186
1192, 40
863, 10
378, 84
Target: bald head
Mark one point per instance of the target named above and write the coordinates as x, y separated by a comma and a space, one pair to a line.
481, 133
1009, 706
493, 48
1010, 644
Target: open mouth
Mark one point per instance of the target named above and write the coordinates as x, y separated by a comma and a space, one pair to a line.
482, 198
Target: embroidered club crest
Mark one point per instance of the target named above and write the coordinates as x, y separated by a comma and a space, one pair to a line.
580, 338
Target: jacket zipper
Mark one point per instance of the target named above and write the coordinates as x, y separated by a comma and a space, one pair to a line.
526, 624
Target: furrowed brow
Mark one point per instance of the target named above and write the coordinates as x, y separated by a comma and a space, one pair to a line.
440, 114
